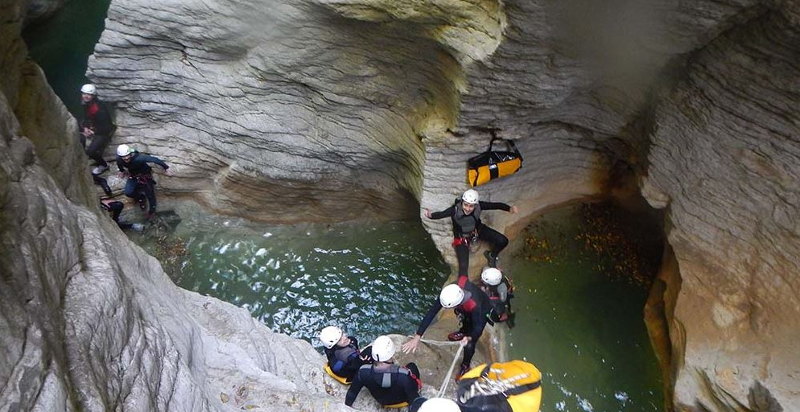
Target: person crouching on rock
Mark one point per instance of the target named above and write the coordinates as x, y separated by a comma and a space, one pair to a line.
114, 207
389, 384
344, 357
468, 228
140, 184
500, 291
472, 307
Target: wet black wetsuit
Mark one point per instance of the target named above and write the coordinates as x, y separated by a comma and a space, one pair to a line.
388, 383
473, 313
500, 299
96, 118
344, 361
141, 177
467, 228
115, 207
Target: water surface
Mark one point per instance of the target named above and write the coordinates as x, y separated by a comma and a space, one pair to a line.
582, 282
370, 278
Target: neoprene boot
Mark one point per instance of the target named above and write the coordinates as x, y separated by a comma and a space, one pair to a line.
462, 371
455, 336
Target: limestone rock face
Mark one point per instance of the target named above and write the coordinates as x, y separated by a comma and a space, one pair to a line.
726, 157
332, 110
276, 110
88, 321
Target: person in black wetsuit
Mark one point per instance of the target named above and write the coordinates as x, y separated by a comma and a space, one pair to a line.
344, 357
500, 291
140, 184
388, 383
468, 228
95, 125
471, 305
115, 208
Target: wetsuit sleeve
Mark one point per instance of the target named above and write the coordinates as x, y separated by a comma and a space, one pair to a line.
444, 213
153, 159
426, 321
350, 366
102, 121
353, 391
495, 206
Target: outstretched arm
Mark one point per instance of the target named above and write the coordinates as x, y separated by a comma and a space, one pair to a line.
153, 159
411, 346
442, 214
498, 206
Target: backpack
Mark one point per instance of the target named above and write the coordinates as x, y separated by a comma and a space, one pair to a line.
513, 386
493, 164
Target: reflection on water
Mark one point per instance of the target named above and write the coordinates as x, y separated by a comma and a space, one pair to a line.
583, 322
371, 278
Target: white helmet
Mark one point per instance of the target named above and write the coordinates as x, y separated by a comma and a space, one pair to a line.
470, 196
330, 336
383, 348
88, 89
439, 405
124, 150
491, 276
451, 296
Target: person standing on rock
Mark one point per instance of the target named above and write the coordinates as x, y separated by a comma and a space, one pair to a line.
96, 126
468, 228
344, 357
389, 384
472, 308
140, 184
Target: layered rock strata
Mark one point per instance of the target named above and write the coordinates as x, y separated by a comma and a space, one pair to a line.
88, 321
335, 110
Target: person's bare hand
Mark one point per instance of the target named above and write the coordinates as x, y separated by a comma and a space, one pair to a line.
464, 341
411, 346
427, 213
514, 209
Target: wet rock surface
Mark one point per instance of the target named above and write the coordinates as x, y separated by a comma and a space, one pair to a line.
337, 110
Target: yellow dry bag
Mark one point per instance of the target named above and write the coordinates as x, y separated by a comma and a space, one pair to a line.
493, 164
501, 387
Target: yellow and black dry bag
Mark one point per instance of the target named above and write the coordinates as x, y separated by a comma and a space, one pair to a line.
493, 164
501, 387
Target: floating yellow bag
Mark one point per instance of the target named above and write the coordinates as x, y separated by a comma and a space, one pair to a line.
501, 387
493, 164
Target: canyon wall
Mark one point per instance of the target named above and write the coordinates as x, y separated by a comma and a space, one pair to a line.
334, 110
88, 321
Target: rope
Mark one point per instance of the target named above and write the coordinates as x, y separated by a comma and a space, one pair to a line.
450, 372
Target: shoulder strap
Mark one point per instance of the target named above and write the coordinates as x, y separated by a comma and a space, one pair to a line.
510, 145
516, 390
523, 388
